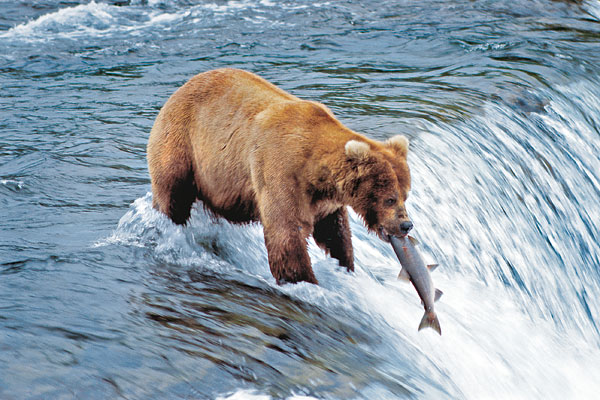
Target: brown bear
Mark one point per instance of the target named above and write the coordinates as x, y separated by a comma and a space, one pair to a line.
253, 152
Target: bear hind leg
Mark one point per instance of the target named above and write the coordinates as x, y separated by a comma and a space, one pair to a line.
175, 194
332, 234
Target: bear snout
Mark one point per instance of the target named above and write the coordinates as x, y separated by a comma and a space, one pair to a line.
405, 227
399, 230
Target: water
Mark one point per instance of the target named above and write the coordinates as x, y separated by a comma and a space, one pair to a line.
102, 297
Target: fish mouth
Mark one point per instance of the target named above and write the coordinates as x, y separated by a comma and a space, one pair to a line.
385, 236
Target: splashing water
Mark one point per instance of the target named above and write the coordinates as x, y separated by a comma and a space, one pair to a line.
501, 102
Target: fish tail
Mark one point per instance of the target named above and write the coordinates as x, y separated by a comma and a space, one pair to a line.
430, 320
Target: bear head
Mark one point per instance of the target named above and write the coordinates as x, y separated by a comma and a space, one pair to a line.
379, 183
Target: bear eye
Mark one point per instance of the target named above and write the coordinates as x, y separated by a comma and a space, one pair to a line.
390, 202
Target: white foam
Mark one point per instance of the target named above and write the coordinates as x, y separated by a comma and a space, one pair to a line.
88, 19
166, 18
100, 19
229, 7
93, 20
11, 183
244, 394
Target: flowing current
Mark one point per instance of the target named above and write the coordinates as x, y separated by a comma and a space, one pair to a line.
102, 297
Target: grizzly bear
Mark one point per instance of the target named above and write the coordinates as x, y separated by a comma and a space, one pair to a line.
253, 152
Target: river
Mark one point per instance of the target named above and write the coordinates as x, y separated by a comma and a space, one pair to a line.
101, 297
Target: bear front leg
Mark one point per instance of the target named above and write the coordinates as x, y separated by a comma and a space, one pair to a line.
332, 234
288, 255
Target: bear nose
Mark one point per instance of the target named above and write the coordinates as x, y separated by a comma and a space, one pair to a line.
405, 227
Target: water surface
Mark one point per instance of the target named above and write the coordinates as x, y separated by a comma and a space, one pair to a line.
102, 297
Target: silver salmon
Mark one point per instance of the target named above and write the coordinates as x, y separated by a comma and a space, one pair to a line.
414, 269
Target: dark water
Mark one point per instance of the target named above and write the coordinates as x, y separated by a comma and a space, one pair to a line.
101, 297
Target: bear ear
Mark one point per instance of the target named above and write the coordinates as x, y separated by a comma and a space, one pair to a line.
356, 150
399, 144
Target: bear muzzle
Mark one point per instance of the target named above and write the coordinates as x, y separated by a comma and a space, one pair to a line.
405, 227
401, 230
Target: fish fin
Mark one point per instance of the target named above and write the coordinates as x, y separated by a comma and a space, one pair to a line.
430, 320
414, 241
432, 267
438, 294
403, 275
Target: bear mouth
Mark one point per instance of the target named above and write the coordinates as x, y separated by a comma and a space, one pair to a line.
385, 236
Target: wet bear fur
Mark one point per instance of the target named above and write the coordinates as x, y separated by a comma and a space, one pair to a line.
253, 152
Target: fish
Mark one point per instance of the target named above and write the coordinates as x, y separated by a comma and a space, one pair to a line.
415, 271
